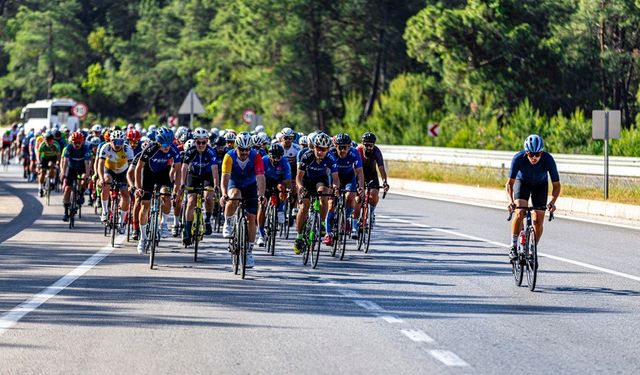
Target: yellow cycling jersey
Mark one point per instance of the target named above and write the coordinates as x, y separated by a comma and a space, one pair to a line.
116, 161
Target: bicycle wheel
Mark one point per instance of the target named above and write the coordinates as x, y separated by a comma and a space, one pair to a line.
531, 257
130, 216
307, 243
114, 220
316, 243
154, 234
338, 222
345, 234
288, 221
243, 242
196, 233
362, 222
72, 208
517, 268
235, 255
367, 231
48, 190
79, 208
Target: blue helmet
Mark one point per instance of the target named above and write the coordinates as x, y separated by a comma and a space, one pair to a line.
533, 143
165, 136
152, 134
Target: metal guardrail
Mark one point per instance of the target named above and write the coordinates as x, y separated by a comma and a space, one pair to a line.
575, 164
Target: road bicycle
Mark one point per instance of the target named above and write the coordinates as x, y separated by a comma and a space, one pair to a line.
239, 242
285, 228
218, 213
75, 203
197, 227
153, 226
366, 218
114, 223
341, 226
271, 225
527, 261
311, 232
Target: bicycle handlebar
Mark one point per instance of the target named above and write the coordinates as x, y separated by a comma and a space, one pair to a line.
529, 209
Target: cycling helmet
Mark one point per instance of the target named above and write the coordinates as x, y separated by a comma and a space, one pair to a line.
276, 150
181, 131
214, 131
151, 135
343, 139
220, 141
533, 144
288, 132
200, 134
48, 135
322, 140
256, 140
165, 136
57, 134
259, 128
230, 137
138, 126
278, 136
96, 128
264, 138
243, 140
311, 136
189, 143
133, 135
152, 128
369, 137
117, 135
85, 133
303, 141
77, 137
185, 136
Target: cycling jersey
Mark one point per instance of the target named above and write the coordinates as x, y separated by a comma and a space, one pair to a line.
292, 152
200, 163
262, 151
314, 169
243, 173
77, 158
49, 152
280, 171
347, 166
370, 160
137, 149
300, 153
116, 161
522, 169
157, 161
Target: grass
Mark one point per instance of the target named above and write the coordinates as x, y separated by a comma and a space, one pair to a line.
493, 178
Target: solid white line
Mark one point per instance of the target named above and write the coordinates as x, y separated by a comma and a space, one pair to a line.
417, 335
500, 244
367, 305
11, 318
393, 319
349, 293
448, 358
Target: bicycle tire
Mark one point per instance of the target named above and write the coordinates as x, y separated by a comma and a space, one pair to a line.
338, 222
72, 209
317, 243
154, 234
345, 234
235, 255
306, 246
114, 220
288, 223
367, 231
130, 216
517, 268
196, 234
532, 261
48, 190
362, 222
243, 242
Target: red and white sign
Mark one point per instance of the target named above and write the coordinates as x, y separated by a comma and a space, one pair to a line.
248, 115
80, 110
434, 130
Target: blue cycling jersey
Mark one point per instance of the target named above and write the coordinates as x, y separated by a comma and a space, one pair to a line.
300, 153
200, 164
78, 157
348, 164
314, 169
280, 171
157, 161
522, 169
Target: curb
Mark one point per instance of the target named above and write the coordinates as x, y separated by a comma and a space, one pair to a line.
618, 214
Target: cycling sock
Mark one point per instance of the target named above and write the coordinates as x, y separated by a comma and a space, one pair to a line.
299, 236
105, 205
187, 227
373, 210
175, 219
514, 240
349, 212
207, 217
281, 206
165, 219
136, 226
66, 208
329, 222
261, 230
143, 232
124, 215
354, 223
250, 246
41, 185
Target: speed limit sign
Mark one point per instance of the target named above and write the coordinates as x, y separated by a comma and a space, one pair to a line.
248, 115
80, 110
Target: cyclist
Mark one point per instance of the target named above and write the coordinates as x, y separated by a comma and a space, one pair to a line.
351, 177
277, 174
93, 142
199, 168
256, 139
529, 178
47, 155
26, 155
6, 144
183, 135
131, 179
76, 161
230, 140
154, 167
242, 177
371, 158
114, 158
133, 139
314, 170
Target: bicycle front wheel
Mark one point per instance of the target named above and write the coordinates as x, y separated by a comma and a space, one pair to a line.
154, 234
114, 220
196, 234
367, 231
531, 257
243, 242
316, 243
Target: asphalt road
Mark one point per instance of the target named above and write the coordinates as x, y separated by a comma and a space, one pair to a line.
434, 295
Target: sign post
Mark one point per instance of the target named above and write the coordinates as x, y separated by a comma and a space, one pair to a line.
606, 125
433, 130
191, 106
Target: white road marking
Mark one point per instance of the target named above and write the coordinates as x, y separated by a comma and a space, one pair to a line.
349, 293
417, 335
367, 305
500, 244
393, 319
448, 358
11, 318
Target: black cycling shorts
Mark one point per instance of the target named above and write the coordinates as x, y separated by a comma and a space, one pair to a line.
311, 185
369, 176
117, 177
150, 178
44, 162
537, 192
251, 194
72, 174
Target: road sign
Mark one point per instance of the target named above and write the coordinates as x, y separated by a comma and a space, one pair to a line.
191, 104
600, 121
248, 116
434, 130
80, 110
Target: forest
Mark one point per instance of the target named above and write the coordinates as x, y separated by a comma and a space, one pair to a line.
489, 72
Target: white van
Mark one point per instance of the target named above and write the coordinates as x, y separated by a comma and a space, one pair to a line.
49, 113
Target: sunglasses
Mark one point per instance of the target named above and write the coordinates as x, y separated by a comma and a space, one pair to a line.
118, 142
368, 145
240, 149
343, 148
78, 144
288, 138
321, 149
534, 154
201, 143
165, 145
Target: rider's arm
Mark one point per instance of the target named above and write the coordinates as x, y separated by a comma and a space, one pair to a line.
360, 177
509, 190
336, 180
178, 174
227, 165
138, 179
214, 170
101, 169
131, 176
555, 193
299, 179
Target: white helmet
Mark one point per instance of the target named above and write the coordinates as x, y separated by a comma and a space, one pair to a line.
152, 128
215, 131
259, 128
243, 140
322, 140
96, 128
278, 136
138, 126
311, 136
288, 132
200, 133
116, 135
188, 144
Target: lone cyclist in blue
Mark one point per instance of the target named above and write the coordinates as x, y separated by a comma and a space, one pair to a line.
529, 178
